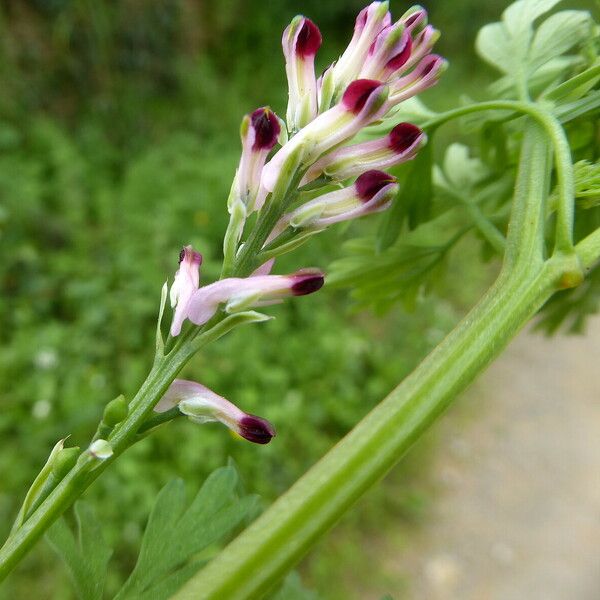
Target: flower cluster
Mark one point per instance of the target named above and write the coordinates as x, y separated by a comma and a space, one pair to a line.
317, 177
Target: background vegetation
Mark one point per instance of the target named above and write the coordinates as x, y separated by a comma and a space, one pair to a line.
118, 142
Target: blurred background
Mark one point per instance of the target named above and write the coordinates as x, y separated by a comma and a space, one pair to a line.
118, 142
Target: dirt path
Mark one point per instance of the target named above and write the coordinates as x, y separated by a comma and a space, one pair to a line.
518, 512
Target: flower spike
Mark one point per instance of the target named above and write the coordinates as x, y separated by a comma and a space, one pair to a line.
400, 145
300, 41
187, 280
242, 293
372, 192
202, 405
259, 132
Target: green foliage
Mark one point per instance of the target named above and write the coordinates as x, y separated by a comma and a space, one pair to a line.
587, 183
175, 534
469, 187
293, 589
118, 140
530, 57
85, 553
413, 202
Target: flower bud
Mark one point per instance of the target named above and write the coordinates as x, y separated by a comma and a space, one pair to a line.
325, 89
300, 41
116, 410
414, 19
400, 145
422, 45
202, 405
259, 132
100, 449
425, 74
369, 22
184, 285
258, 290
390, 51
65, 461
372, 192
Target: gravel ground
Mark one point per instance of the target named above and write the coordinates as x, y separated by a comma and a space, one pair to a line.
517, 516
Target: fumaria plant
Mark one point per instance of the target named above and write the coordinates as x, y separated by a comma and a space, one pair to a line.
355, 141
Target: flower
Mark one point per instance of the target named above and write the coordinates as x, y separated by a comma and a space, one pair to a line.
388, 53
424, 75
401, 144
301, 41
202, 405
187, 280
369, 22
363, 102
372, 192
422, 44
259, 132
242, 293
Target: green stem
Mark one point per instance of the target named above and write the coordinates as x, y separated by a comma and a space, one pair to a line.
588, 250
87, 470
562, 157
525, 238
487, 229
262, 554
281, 197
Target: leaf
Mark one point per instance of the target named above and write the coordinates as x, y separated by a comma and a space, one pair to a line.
520, 16
557, 34
584, 106
531, 59
462, 171
175, 534
169, 585
39, 483
587, 184
413, 201
293, 589
543, 77
86, 556
397, 273
494, 45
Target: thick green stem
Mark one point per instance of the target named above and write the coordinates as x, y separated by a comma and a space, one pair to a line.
562, 157
261, 555
588, 250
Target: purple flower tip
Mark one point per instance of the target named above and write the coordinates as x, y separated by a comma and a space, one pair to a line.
398, 61
358, 92
309, 39
187, 253
403, 136
307, 282
266, 127
256, 429
371, 182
